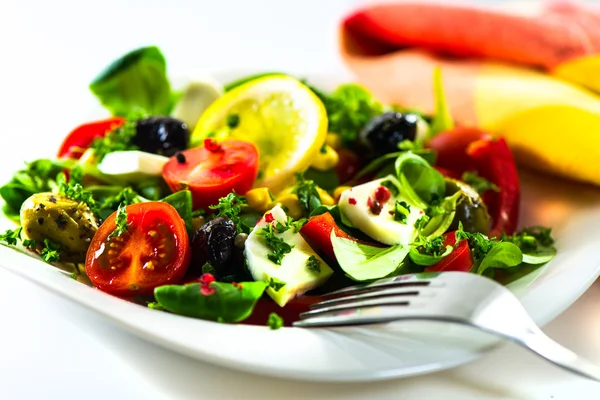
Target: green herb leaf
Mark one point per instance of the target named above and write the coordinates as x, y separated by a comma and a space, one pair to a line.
427, 260
326, 180
136, 81
401, 211
182, 202
230, 207
481, 185
313, 264
119, 139
275, 321
278, 246
442, 121
121, 221
420, 183
349, 108
50, 251
155, 306
74, 190
223, 302
362, 262
535, 242
307, 193
275, 284
501, 255
11, 237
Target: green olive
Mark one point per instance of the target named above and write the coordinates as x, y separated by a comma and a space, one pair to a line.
61, 220
470, 209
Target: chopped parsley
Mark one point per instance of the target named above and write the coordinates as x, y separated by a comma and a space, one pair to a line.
275, 284
118, 139
479, 244
73, 275
307, 193
11, 237
73, 189
233, 121
313, 264
481, 185
50, 251
290, 224
391, 187
422, 222
431, 247
401, 211
230, 207
120, 221
275, 321
127, 196
30, 244
278, 246
531, 238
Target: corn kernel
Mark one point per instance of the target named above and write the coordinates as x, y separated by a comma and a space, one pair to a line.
327, 160
333, 140
326, 198
337, 193
259, 198
291, 203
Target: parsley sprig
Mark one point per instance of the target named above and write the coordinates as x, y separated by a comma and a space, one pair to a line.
308, 195
121, 221
275, 284
275, 321
313, 264
278, 246
119, 139
73, 189
50, 251
230, 207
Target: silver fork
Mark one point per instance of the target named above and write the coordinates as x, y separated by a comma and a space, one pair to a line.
454, 297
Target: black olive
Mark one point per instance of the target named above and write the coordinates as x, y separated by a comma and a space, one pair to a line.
161, 135
383, 133
214, 243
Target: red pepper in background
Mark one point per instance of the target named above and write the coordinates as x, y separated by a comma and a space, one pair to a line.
317, 231
77, 142
469, 149
459, 260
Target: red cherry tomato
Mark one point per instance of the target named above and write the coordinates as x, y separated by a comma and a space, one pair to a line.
82, 137
459, 260
451, 147
153, 251
213, 171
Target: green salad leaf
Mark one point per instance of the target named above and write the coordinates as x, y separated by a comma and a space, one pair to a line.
420, 183
307, 193
442, 120
182, 202
223, 302
363, 262
136, 81
501, 255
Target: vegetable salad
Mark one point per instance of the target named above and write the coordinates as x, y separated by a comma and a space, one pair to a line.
246, 202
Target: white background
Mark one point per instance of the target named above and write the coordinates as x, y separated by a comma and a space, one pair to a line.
51, 349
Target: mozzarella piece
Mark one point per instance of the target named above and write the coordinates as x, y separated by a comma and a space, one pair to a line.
132, 165
293, 269
382, 227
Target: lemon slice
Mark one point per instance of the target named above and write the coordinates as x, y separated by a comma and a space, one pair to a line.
281, 116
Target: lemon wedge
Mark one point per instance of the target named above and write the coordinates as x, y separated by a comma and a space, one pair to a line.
282, 117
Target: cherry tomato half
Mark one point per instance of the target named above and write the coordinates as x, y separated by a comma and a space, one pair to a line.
82, 137
153, 251
213, 171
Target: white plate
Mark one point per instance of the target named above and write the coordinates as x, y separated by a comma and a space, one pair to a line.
361, 354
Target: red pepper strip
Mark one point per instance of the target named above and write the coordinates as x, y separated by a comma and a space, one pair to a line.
317, 231
495, 163
459, 260
448, 173
469, 149
82, 137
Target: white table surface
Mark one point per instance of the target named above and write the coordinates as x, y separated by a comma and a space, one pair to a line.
52, 349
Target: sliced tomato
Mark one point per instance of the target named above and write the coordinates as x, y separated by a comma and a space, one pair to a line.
317, 231
82, 137
459, 260
213, 171
153, 251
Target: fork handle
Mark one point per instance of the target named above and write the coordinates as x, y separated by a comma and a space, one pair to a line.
538, 342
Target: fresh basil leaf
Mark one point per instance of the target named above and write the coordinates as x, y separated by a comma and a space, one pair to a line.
136, 81
427, 260
501, 255
442, 121
377, 164
362, 262
420, 183
326, 180
182, 202
541, 255
224, 302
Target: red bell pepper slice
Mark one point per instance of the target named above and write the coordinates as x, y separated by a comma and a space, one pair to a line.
82, 137
470, 149
317, 231
459, 259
